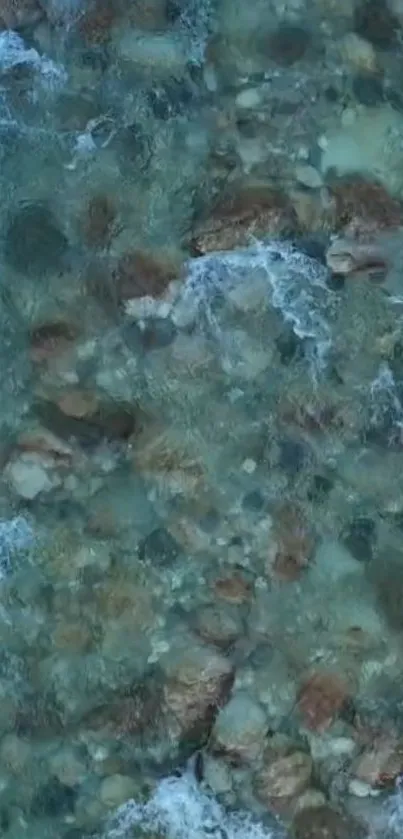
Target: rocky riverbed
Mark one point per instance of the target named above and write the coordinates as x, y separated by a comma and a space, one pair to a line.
201, 491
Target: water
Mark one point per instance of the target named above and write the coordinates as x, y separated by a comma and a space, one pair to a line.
201, 492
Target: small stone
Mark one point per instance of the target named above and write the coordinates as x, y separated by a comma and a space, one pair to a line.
15, 753
360, 537
249, 98
20, 13
51, 339
67, 767
253, 501
368, 90
158, 333
239, 731
288, 44
78, 403
142, 274
44, 243
375, 22
381, 763
98, 221
53, 799
234, 589
219, 625
249, 466
43, 441
326, 823
285, 777
28, 475
117, 789
309, 799
359, 53
308, 176
359, 788
295, 543
199, 682
320, 699
159, 547
161, 52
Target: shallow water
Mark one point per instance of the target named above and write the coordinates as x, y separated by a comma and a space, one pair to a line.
201, 491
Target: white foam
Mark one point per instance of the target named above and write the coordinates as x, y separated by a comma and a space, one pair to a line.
181, 810
14, 53
385, 402
296, 287
16, 534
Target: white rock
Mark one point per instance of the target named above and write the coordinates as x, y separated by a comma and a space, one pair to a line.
360, 789
28, 475
358, 53
249, 98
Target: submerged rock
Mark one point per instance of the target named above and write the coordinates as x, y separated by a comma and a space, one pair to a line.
240, 730
326, 823
45, 245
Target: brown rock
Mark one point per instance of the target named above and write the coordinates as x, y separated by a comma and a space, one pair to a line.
295, 542
320, 698
381, 762
199, 682
364, 207
51, 340
98, 221
130, 714
326, 823
72, 636
43, 441
284, 778
95, 24
78, 403
148, 14
19, 13
247, 212
234, 589
140, 273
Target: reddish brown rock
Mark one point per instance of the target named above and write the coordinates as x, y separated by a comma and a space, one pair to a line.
45, 442
381, 763
326, 823
78, 403
364, 207
51, 340
283, 779
98, 221
139, 274
320, 698
234, 589
95, 24
198, 684
295, 542
249, 211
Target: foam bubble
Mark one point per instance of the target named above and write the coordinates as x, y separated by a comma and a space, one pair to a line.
181, 810
16, 534
296, 287
14, 53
